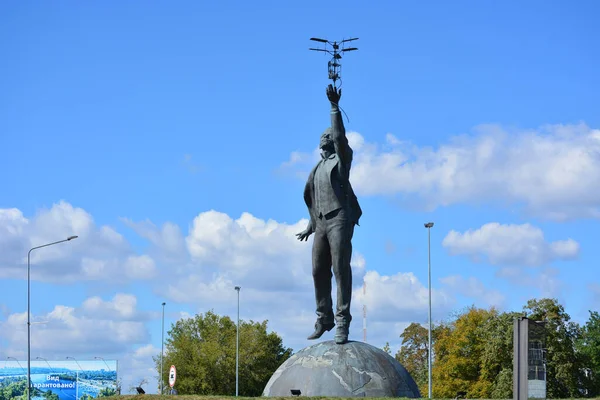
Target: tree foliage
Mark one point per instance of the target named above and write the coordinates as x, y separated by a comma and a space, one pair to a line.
588, 346
413, 354
474, 352
107, 392
564, 364
15, 388
497, 357
459, 349
387, 348
203, 349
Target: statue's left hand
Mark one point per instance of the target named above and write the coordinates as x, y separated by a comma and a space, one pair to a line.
303, 236
333, 94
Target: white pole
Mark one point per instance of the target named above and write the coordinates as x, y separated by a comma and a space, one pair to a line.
429, 225
162, 343
237, 344
29, 309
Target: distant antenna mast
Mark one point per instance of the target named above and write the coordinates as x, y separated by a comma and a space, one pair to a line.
334, 66
364, 312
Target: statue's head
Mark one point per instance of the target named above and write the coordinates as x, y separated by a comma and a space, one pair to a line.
326, 143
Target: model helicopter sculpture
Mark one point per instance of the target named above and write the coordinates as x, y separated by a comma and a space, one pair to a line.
334, 66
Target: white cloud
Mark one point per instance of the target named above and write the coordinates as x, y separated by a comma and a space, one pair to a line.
168, 241
297, 157
99, 253
89, 329
140, 267
274, 270
546, 280
122, 306
393, 140
549, 170
509, 245
139, 367
393, 303
359, 268
253, 252
474, 288
400, 297
300, 163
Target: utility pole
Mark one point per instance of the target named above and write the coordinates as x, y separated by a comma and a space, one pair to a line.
429, 225
162, 346
237, 345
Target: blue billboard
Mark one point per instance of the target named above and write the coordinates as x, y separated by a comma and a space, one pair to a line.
59, 380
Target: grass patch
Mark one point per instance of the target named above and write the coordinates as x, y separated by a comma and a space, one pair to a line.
199, 397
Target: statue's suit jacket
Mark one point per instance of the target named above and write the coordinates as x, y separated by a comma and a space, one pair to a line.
338, 173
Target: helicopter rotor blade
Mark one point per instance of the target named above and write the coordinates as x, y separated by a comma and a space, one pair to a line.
319, 40
348, 40
323, 50
350, 49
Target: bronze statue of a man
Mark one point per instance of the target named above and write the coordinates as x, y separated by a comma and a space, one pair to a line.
334, 210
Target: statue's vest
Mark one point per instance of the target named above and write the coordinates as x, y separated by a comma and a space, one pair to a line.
326, 190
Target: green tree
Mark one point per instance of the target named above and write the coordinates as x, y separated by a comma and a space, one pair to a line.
564, 368
387, 348
203, 350
459, 348
497, 356
49, 395
14, 390
474, 352
107, 392
413, 354
588, 347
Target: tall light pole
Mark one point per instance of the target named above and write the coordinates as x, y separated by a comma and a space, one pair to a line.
29, 309
429, 225
12, 358
76, 362
76, 376
49, 366
237, 344
162, 344
109, 370
105, 363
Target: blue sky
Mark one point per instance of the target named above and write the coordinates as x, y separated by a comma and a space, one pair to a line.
166, 135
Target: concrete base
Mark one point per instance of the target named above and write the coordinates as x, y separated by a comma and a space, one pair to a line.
354, 369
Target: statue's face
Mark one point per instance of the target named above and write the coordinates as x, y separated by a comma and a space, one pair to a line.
326, 141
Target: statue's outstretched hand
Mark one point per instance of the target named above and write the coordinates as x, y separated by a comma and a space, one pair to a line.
304, 234
333, 94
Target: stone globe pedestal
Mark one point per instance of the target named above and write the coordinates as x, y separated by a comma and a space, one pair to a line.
354, 369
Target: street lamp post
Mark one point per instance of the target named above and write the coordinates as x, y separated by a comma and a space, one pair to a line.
109, 370
105, 363
29, 309
76, 376
49, 366
429, 225
12, 358
237, 344
162, 344
76, 362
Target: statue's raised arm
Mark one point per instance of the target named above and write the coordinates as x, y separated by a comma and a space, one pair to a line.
338, 131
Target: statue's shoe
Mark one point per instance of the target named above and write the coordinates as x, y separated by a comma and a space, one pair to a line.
320, 329
341, 335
